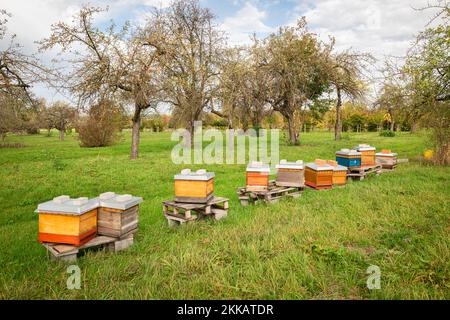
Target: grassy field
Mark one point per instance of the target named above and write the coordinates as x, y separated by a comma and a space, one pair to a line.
315, 247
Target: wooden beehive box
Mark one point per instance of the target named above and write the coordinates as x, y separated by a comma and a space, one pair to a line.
257, 176
319, 175
367, 155
118, 215
67, 221
348, 158
290, 174
386, 158
194, 187
340, 175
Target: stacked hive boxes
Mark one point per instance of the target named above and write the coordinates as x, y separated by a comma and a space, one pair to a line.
319, 175
348, 158
118, 215
77, 221
387, 159
257, 176
68, 221
290, 174
367, 154
194, 187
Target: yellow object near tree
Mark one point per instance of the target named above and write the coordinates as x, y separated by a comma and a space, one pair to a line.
428, 154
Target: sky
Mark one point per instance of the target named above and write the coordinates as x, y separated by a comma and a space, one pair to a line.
380, 27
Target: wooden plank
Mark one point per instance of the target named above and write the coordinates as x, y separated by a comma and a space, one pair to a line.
98, 241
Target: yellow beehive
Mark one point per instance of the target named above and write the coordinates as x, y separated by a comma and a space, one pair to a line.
367, 155
194, 187
340, 175
67, 221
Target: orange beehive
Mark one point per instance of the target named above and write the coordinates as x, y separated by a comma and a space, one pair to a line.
367, 155
68, 221
319, 175
387, 159
194, 187
340, 175
257, 177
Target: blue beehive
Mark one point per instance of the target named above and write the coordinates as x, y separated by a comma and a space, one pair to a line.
348, 158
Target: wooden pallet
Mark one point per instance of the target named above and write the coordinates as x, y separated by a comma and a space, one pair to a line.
361, 173
273, 194
178, 213
69, 253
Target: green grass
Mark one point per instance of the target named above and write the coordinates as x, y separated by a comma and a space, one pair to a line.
315, 247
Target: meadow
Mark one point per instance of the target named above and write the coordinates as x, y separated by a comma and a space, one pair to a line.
316, 247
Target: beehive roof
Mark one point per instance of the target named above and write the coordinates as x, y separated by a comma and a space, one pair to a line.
117, 201
258, 167
284, 164
365, 147
67, 205
316, 167
199, 175
385, 154
348, 152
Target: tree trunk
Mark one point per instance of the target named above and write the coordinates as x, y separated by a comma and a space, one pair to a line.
392, 128
414, 127
338, 126
135, 134
293, 136
61, 134
48, 132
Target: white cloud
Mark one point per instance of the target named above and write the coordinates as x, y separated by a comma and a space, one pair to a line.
244, 23
381, 27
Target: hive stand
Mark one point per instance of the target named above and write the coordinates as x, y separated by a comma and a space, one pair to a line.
69, 253
363, 172
272, 195
178, 213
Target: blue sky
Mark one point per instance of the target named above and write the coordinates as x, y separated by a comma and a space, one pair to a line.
380, 27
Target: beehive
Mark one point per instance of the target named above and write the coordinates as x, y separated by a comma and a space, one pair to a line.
67, 221
194, 187
339, 175
319, 175
257, 176
367, 155
387, 159
290, 174
118, 215
348, 158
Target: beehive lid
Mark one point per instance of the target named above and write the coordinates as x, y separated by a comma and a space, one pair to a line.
199, 175
340, 168
318, 167
66, 205
348, 152
284, 164
365, 147
117, 201
256, 166
386, 154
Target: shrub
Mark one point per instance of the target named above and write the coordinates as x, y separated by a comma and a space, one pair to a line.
101, 127
387, 133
